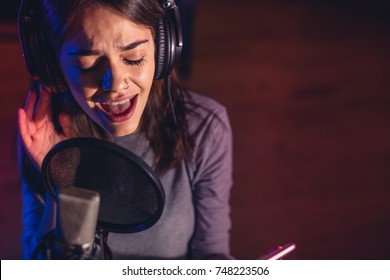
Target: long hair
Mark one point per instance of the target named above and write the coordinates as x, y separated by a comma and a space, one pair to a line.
168, 136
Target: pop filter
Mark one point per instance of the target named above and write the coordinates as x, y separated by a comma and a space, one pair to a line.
131, 195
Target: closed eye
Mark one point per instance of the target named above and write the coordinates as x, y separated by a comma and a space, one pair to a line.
91, 69
138, 62
95, 66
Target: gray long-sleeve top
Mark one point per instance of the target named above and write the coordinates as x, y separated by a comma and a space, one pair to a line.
196, 219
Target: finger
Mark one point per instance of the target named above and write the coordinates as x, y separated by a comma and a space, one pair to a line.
43, 110
28, 120
66, 125
30, 104
22, 128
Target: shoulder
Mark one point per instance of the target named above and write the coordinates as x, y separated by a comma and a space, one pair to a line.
209, 126
204, 112
202, 104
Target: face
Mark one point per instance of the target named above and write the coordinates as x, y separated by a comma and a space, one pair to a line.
108, 62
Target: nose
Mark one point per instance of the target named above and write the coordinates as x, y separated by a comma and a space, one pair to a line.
114, 83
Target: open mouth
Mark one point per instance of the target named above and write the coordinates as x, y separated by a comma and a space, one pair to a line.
118, 111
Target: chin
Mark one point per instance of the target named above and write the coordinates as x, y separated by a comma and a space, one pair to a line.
123, 130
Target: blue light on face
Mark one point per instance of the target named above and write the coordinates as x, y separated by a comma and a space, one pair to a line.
107, 80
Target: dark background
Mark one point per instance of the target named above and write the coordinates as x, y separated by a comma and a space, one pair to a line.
306, 85
9, 9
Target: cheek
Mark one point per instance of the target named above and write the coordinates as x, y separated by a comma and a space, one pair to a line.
146, 75
78, 81
79, 92
78, 85
72, 77
75, 80
82, 100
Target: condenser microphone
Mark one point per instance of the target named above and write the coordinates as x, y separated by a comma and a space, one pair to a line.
77, 215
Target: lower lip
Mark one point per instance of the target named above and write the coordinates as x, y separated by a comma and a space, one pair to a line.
122, 116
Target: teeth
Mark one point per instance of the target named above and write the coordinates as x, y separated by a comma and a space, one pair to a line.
117, 103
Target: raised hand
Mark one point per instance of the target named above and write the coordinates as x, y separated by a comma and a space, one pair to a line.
36, 128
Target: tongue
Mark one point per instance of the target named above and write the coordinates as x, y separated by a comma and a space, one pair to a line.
116, 109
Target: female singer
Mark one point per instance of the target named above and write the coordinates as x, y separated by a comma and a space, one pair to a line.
104, 59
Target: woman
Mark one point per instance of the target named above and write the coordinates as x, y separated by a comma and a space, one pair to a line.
107, 87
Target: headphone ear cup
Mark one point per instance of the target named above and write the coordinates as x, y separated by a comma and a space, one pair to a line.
160, 51
169, 40
47, 68
39, 58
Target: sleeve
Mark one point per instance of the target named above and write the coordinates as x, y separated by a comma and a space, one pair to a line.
212, 183
32, 211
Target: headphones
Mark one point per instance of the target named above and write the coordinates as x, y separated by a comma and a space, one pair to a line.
43, 67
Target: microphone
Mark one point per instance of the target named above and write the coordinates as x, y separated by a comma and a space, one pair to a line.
77, 215
74, 235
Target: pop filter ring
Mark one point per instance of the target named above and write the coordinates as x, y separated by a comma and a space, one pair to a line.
99, 144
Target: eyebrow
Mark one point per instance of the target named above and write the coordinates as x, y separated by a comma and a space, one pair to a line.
95, 52
132, 45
